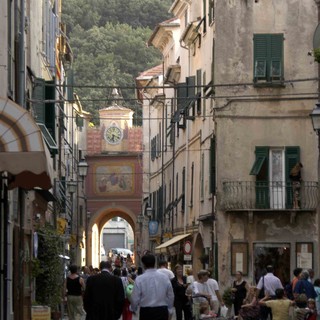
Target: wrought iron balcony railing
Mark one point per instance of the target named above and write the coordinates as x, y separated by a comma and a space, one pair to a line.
279, 195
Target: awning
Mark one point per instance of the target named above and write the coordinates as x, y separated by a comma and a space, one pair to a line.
22, 150
163, 247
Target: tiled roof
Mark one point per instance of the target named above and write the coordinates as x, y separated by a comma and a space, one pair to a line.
155, 71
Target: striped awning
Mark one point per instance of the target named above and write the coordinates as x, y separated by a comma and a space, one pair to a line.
22, 150
163, 247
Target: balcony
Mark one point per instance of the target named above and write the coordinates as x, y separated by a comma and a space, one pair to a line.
268, 196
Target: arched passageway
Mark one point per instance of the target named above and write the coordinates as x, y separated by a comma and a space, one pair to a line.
95, 228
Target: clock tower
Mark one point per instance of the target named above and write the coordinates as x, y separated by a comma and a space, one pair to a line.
115, 123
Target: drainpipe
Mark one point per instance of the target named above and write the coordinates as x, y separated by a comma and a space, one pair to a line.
186, 207
21, 195
21, 89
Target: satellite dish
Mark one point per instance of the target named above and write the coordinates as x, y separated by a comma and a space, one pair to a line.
316, 37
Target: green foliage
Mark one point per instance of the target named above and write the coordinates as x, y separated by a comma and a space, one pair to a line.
136, 13
227, 297
112, 55
49, 268
316, 54
108, 39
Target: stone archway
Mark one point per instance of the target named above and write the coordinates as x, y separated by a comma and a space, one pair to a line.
95, 227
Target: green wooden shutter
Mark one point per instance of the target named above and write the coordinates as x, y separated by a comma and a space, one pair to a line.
183, 195
204, 16
182, 94
292, 156
79, 121
213, 166
268, 57
70, 83
276, 56
50, 120
38, 95
260, 56
262, 179
191, 83
199, 83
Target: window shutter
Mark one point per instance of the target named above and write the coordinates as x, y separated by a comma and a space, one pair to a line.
213, 166
183, 188
50, 107
191, 82
191, 186
79, 121
182, 94
262, 178
276, 56
38, 95
260, 55
202, 177
204, 16
70, 82
199, 83
292, 156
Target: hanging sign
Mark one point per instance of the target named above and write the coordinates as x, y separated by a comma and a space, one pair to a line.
153, 228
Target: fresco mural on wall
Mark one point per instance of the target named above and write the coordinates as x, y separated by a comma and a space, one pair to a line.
114, 178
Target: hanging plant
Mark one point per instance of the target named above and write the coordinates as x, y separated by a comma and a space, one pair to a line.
316, 55
48, 268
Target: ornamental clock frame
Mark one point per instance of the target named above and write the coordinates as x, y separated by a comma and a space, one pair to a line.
113, 134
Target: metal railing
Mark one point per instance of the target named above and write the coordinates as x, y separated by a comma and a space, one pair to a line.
278, 195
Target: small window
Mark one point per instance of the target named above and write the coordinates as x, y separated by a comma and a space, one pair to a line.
268, 58
275, 71
260, 69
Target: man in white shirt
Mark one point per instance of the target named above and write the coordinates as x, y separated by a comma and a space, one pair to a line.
270, 283
163, 268
216, 299
152, 292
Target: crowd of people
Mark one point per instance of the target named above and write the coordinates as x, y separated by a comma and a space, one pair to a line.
156, 293
270, 300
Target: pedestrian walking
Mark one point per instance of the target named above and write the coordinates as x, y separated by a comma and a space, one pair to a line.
268, 283
152, 292
74, 286
163, 268
104, 295
304, 290
240, 290
181, 301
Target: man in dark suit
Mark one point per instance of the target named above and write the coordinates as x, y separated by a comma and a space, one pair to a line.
104, 295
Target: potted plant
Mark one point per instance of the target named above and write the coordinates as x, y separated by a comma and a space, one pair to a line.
48, 269
228, 297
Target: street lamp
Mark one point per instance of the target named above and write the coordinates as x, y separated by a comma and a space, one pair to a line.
83, 168
149, 212
72, 186
315, 117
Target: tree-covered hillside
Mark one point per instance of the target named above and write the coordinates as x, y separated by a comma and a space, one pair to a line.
108, 39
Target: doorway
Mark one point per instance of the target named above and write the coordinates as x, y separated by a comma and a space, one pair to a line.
275, 254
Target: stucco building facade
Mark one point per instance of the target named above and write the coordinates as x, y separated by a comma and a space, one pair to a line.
229, 114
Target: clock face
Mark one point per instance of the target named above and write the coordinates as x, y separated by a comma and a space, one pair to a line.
113, 135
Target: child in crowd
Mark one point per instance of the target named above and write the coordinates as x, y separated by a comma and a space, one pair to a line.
311, 310
205, 312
